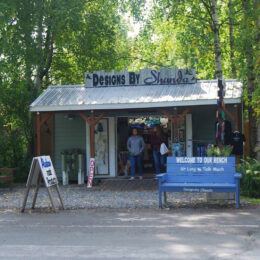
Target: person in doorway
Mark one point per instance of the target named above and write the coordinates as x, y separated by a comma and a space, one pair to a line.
135, 145
156, 141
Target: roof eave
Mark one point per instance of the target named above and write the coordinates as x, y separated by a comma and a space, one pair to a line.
131, 105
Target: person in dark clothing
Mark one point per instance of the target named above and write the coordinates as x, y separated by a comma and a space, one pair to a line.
156, 141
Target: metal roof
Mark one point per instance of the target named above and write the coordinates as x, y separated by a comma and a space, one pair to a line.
78, 97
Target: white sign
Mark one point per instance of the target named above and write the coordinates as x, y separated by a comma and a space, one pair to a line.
91, 172
43, 165
164, 76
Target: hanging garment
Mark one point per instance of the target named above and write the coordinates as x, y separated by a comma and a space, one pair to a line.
228, 133
237, 142
217, 129
176, 149
223, 132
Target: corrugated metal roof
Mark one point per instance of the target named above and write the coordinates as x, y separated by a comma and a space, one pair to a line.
77, 97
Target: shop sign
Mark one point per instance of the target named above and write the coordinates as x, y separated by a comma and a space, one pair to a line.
164, 76
199, 165
91, 172
41, 168
43, 165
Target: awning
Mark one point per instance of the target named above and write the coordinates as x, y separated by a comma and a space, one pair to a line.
78, 97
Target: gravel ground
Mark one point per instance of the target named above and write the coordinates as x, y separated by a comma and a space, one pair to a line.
76, 197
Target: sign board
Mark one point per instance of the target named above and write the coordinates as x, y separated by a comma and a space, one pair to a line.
91, 172
164, 76
42, 165
209, 165
41, 168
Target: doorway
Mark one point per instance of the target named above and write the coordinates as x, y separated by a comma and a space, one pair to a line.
144, 127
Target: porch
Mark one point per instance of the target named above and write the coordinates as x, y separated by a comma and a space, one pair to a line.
68, 117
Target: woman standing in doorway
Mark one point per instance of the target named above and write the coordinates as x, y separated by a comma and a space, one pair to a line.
156, 141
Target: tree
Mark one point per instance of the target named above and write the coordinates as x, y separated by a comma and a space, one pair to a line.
51, 42
197, 33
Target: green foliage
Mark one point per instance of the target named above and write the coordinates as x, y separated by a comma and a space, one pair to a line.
45, 43
53, 42
215, 151
250, 182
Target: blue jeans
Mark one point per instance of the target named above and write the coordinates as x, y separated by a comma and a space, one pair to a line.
158, 161
136, 159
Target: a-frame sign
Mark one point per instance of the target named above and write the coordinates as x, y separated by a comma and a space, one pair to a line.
41, 168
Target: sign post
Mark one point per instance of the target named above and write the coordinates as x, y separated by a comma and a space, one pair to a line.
41, 168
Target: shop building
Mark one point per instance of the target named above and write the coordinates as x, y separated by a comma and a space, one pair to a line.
97, 117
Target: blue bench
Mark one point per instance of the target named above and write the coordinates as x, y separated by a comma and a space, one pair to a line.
199, 174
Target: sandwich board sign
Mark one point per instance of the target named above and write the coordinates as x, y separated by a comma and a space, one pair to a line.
41, 168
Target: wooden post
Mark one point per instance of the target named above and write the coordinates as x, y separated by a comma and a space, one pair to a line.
27, 191
36, 190
38, 122
58, 191
236, 126
92, 136
175, 120
236, 117
51, 199
175, 125
92, 121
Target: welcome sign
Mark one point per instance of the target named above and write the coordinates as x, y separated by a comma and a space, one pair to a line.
164, 76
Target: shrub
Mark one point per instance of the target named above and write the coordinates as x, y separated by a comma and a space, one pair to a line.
215, 151
250, 182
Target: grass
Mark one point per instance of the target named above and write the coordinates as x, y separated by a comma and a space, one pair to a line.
251, 200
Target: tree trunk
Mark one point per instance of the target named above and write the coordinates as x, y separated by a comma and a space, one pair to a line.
249, 53
258, 142
231, 40
257, 39
217, 48
218, 67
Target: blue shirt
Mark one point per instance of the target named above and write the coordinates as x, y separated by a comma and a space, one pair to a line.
135, 145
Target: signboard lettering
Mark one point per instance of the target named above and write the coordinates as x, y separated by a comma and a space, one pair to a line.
204, 160
48, 172
164, 76
91, 172
41, 168
197, 190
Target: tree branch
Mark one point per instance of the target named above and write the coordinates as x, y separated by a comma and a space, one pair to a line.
208, 8
224, 21
50, 57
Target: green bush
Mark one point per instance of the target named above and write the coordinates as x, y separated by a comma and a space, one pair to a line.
250, 182
215, 151
13, 155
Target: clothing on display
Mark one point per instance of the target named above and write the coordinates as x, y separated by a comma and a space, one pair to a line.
124, 163
201, 150
226, 132
237, 143
176, 150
